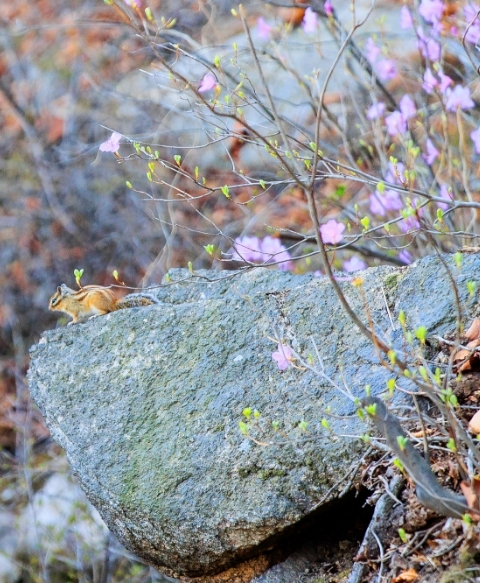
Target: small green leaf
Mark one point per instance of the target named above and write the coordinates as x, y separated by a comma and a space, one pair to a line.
458, 258
403, 535
391, 386
368, 389
148, 14
78, 275
371, 409
256, 414
210, 249
392, 356
225, 191
129, 184
402, 441
303, 425
365, 223
190, 267
421, 334
262, 183
451, 445
340, 190
401, 318
243, 427
325, 424
381, 187
440, 215
168, 278
471, 286
115, 274
275, 425
216, 61
178, 159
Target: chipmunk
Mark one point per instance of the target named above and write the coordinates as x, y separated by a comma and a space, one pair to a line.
93, 300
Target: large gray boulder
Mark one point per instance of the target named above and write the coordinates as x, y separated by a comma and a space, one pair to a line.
147, 404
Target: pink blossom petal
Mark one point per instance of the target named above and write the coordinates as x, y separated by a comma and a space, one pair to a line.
371, 50
405, 256
429, 81
396, 123
354, 264
407, 107
207, 83
309, 22
473, 33
431, 10
328, 8
432, 152
405, 18
112, 144
283, 356
475, 135
386, 69
376, 110
458, 97
332, 232
264, 30
445, 81
447, 195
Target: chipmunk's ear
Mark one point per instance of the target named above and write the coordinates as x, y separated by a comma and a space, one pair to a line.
59, 290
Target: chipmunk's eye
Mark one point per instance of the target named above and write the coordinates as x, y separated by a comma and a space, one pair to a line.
53, 301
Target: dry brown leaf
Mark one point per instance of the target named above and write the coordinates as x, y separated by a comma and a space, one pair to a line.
473, 333
472, 499
474, 424
406, 576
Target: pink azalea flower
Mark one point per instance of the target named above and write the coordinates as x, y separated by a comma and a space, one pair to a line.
396, 123
381, 203
473, 34
386, 69
112, 144
445, 81
266, 251
247, 249
405, 256
264, 30
429, 47
446, 194
376, 110
407, 107
429, 81
411, 223
207, 83
332, 232
431, 10
328, 8
405, 18
371, 50
408, 224
283, 356
458, 97
395, 173
475, 135
273, 251
354, 264
432, 152
309, 22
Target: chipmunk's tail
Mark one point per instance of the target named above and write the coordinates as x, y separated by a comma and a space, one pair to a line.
136, 301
